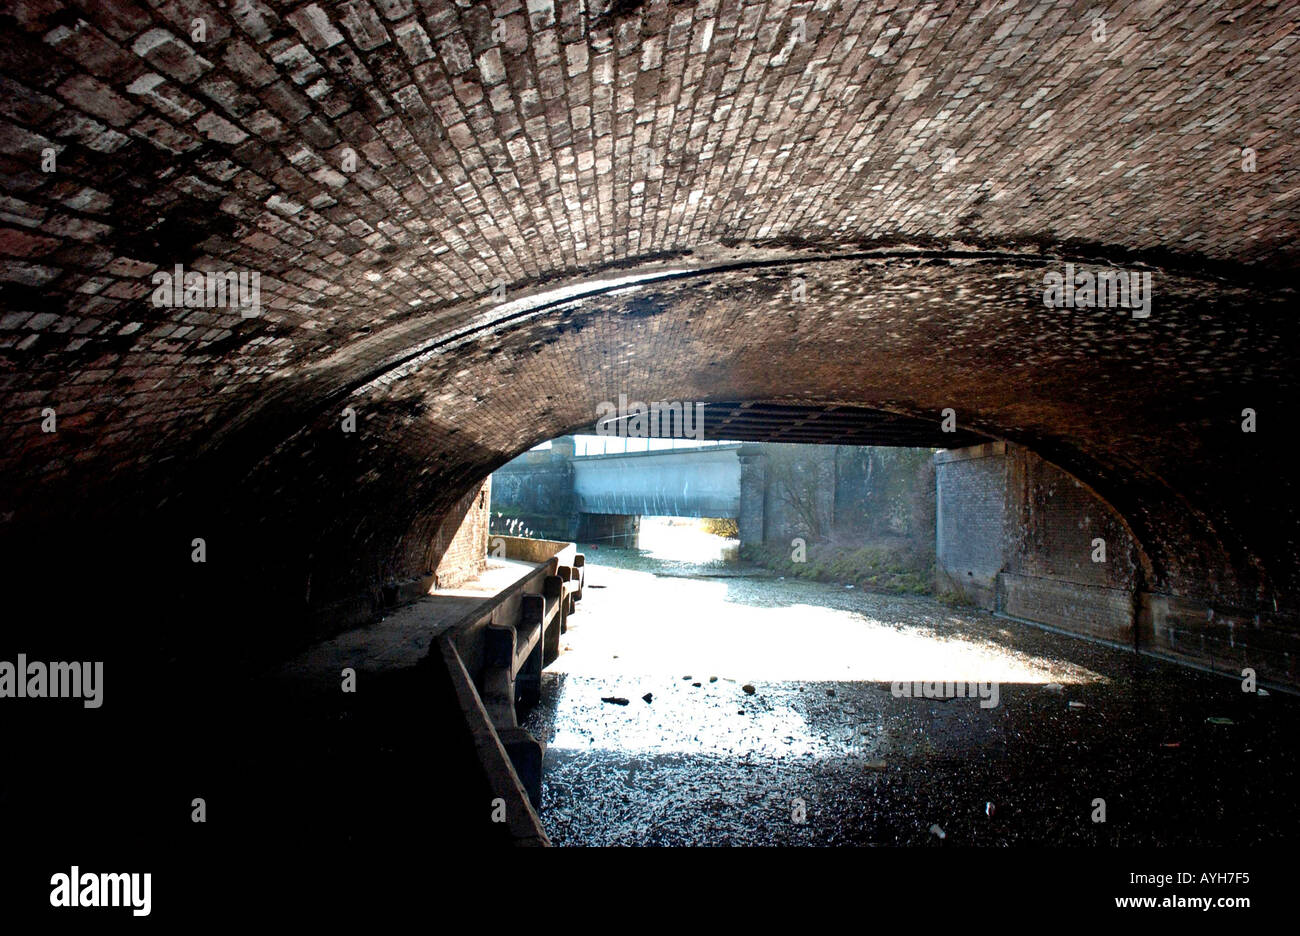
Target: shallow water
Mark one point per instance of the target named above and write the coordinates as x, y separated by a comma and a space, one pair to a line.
822, 752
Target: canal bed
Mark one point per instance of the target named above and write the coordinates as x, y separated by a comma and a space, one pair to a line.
772, 719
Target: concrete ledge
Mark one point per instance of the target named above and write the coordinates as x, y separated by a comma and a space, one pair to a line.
343, 615
507, 612
527, 549
522, 820
502, 609
526, 754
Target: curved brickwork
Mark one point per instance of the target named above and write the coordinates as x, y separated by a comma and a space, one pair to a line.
846, 204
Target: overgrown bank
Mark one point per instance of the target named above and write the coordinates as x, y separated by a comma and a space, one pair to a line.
901, 567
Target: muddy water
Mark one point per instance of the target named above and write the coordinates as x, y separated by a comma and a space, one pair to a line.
819, 751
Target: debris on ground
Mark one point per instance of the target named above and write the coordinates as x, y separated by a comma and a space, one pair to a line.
749, 689
1218, 720
1076, 705
614, 700
648, 697
935, 830
877, 767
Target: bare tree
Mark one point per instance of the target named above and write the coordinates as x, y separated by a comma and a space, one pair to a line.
797, 476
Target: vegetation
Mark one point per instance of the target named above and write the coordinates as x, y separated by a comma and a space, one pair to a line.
954, 599
797, 475
721, 526
900, 568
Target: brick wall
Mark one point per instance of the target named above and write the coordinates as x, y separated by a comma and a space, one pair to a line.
460, 546
884, 492
1056, 570
1053, 522
1016, 535
970, 520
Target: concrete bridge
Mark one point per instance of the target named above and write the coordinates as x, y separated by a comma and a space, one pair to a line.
611, 493
694, 482
600, 498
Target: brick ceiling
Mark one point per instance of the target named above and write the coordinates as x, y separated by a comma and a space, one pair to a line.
386, 165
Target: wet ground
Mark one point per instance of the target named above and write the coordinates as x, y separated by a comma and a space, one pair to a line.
771, 720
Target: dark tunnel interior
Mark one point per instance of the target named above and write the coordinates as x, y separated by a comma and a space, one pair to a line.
283, 284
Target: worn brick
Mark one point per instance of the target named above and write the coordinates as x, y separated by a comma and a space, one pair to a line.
965, 146
94, 97
219, 129
313, 24
171, 56
15, 243
170, 101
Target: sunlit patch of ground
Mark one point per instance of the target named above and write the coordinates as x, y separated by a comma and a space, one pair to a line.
820, 735
764, 628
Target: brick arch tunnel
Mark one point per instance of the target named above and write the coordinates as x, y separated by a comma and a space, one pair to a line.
304, 519
474, 223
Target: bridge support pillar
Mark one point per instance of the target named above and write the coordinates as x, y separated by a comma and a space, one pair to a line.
753, 496
619, 531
